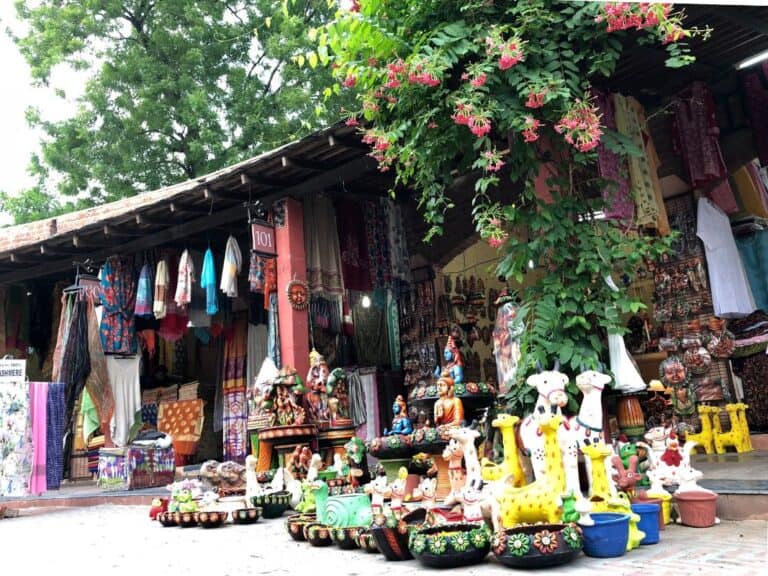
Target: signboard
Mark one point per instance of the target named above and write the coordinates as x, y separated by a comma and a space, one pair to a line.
263, 236
13, 371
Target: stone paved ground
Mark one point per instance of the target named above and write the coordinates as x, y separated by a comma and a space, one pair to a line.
121, 540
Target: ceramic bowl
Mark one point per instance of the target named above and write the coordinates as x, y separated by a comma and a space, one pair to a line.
366, 541
538, 546
186, 519
272, 505
295, 523
345, 538
391, 535
212, 519
450, 545
167, 519
318, 534
246, 515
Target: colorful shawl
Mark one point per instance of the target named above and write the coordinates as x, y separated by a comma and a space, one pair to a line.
183, 421
38, 402
353, 246
97, 383
118, 331
186, 278
144, 292
234, 385
55, 416
162, 281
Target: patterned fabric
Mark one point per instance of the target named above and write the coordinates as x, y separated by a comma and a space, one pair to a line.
256, 272
273, 331
357, 401
377, 234
757, 104
321, 243
55, 416
398, 249
183, 420
233, 262
118, 296
185, 280
162, 281
696, 133
353, 246
97, 383
144, 292
642, 179
16, 453
208, 283
235, 421
75, 367
174, 324
149, 414
617, 197
67, 303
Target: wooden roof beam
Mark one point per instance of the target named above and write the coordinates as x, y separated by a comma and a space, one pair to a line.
175, 208
112, 232
260, 180
143, 220
301, 164
352, 143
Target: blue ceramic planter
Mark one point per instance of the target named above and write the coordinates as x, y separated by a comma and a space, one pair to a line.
608, 537
649, 521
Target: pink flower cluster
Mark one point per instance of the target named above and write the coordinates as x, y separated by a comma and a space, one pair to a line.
581, 126
495, 163
535, 99
380, 148
398, 72
532, 125
509, 53
349, 81
626, 15
478, 81
477, 122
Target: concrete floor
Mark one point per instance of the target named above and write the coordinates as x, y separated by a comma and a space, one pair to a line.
121, 540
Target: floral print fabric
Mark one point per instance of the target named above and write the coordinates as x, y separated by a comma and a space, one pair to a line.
16, 452
118, 296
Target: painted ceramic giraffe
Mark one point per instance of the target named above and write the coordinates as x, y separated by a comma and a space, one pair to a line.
540, 500
511, 469
602, 487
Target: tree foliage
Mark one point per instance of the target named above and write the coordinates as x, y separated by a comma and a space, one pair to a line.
177, 89
451, 87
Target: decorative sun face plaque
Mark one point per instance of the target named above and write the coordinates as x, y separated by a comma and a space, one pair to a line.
298, 294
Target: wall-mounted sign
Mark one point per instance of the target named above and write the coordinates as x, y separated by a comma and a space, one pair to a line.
12, 371
263, 237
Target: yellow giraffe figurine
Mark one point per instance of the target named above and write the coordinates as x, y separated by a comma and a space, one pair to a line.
705, 438
744, 425
511, 466
539, 501
602, 488
731, 438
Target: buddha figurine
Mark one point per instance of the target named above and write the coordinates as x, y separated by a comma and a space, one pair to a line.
401, 424
449, 410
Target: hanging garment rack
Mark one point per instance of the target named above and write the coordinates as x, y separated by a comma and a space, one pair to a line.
88, 266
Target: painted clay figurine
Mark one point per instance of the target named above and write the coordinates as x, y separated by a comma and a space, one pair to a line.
401, 424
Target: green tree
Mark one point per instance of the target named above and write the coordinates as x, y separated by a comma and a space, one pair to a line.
177, 89
448, 88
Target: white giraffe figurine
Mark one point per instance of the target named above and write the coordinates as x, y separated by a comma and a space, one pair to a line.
587, 426
550, 385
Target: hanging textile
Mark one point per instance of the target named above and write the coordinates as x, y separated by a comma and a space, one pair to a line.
756, 96
197, 308
368, 384
97, 383
731, 295
751, 191
162, 281
89, 415
371, 339
696, 134
144, 292
357, 411
393, 329
16, 452
208, 283
233, 262
398, 249
353, 246
38, 401
67, 303
257, 351
642, 179
124, 378
16, 325
233, 387
47, 370
75, 368
613, 168
273, 331
55, 418
40, 308
753, 249
377, 235
185, 280
118, 296
174, 323
183, 421
321, 243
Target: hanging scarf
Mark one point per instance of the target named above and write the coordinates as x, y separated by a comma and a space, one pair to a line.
97, 383
233, 261
234, 386
161, 289
208, 283
55, 416
144, 296
186, 278
321, 243
118, 296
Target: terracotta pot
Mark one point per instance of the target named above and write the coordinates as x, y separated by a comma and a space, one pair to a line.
696, 508
451, 545
538, 546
